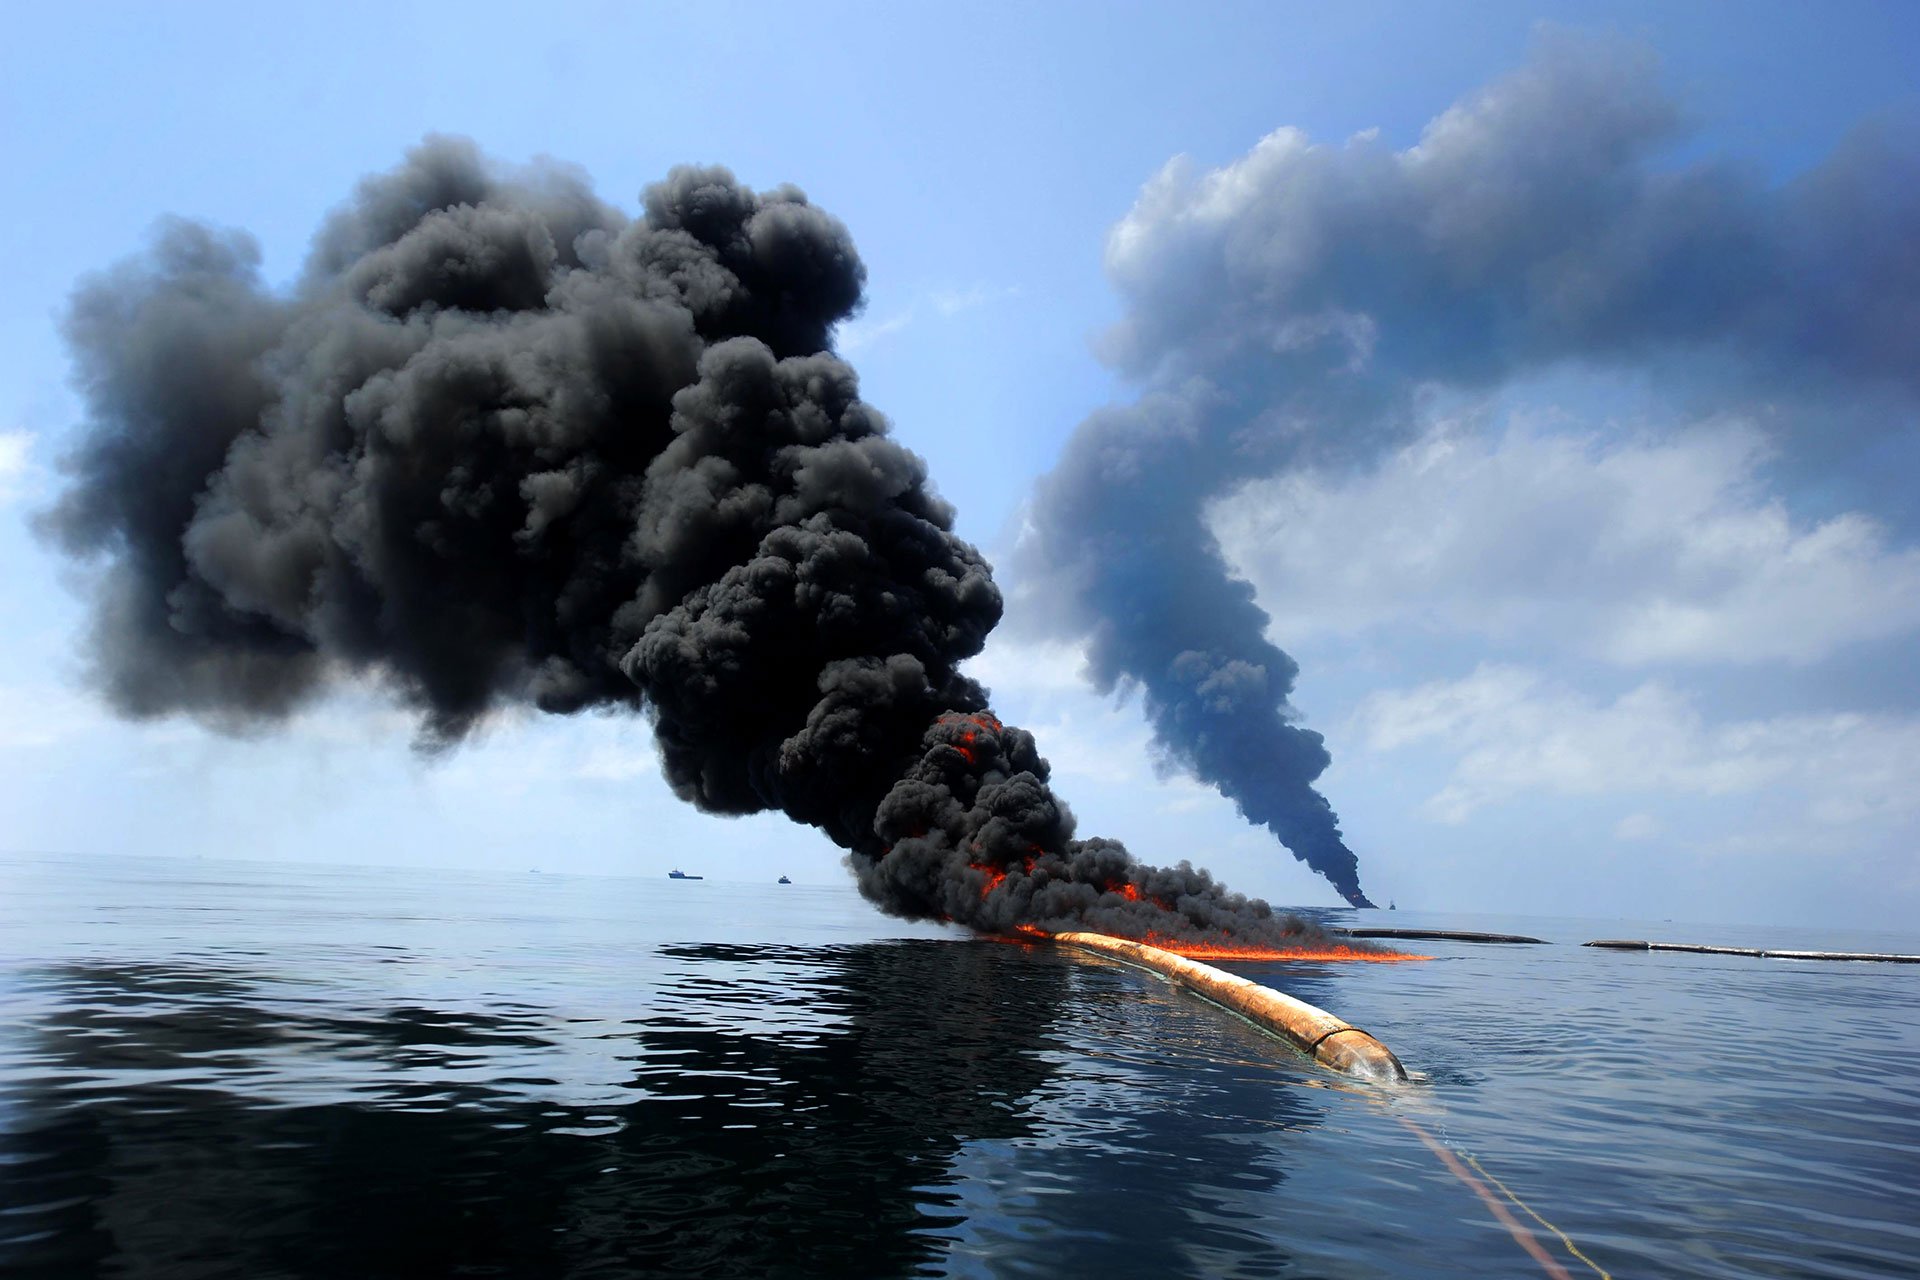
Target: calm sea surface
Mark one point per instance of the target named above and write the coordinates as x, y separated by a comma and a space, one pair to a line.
231, 1069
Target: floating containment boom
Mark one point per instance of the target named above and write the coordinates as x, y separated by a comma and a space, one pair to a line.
1437, 935
1635, 944
1315, 1032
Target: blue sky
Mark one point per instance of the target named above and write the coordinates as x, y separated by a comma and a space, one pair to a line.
1701, 706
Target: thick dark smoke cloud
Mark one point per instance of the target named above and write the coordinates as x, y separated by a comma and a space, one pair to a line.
501, 445
1293, 307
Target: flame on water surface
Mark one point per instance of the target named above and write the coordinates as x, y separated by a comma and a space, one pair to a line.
1203, 950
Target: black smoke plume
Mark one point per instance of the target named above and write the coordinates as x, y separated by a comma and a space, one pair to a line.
1292, 309
502, 445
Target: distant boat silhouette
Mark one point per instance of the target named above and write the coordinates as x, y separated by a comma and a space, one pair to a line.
784, 880
681, 875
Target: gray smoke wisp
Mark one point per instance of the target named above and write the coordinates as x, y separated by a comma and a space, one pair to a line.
502, 445
1294, 309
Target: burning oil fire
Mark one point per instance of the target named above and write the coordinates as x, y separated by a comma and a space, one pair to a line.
1231, 951
505, 446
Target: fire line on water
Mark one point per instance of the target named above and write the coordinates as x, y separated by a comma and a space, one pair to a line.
1027, 934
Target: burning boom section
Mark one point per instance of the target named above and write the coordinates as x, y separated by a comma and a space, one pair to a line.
973, 834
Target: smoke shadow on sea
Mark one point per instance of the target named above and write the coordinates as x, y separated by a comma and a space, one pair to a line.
201, 1123
875, 1109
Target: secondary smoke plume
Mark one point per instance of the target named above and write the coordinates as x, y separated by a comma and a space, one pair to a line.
502, 445
1292, 309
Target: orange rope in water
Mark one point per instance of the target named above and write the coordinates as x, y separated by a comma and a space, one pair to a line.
1517, 1229
1507, 1191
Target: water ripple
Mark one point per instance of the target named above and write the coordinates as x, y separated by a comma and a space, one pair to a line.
292, 1072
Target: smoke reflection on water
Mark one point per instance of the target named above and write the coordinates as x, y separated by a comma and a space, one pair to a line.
780, 1110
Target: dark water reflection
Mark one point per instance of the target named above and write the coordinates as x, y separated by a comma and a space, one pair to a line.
738, 1150
789, 1111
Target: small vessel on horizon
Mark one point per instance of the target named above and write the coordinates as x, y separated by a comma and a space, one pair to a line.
784, 880
677, 874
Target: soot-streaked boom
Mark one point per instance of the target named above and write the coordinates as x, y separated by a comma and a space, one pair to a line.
501, 444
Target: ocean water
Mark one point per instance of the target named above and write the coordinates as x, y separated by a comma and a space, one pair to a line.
214, 1068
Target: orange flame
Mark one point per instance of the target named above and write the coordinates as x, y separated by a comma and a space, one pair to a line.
995, 876
1233, 951
980, 721
1131, 892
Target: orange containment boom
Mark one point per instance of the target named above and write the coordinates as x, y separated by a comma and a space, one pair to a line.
1315, 1032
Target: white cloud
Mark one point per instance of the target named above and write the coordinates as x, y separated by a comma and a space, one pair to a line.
617, 752
34, 717
1039, 685
853, 336
16, 463
512, 750
858, 335
519, 750
1637, 826
951, 302
1508, 733
1029, 668
1632, 552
